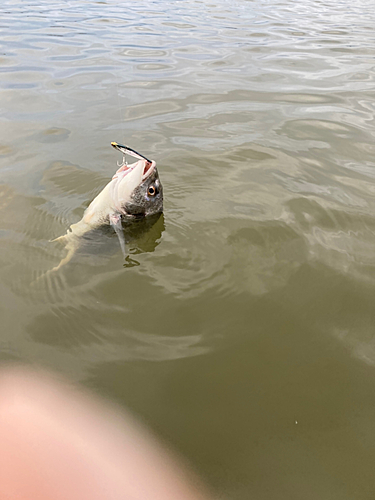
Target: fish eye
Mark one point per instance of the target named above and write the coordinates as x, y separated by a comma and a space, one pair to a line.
151, 191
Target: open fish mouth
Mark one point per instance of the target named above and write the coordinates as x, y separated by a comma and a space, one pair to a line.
148, 169
148, 165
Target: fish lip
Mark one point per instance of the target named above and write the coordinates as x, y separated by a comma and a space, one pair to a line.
148, 169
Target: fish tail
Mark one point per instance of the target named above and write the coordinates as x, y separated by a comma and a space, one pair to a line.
64, 261
51, 272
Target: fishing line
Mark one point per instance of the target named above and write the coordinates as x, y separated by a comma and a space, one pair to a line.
119, 105
122, 120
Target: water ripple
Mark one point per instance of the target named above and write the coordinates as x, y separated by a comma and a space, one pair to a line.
260, 116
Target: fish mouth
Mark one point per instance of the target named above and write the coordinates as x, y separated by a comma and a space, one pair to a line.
147, 166
145, 169
148, 169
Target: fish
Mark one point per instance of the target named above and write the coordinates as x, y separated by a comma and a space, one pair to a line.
134, 192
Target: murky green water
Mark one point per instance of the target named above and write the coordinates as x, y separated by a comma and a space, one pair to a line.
245, 336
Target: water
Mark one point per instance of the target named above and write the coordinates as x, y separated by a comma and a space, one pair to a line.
245, 336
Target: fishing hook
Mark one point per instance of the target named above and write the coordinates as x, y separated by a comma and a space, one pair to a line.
124, 162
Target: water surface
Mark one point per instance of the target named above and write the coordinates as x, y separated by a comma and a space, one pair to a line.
245, 336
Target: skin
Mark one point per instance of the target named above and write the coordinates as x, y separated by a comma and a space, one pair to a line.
59, 442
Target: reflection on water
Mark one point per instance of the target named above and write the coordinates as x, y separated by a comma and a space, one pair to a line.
248, 306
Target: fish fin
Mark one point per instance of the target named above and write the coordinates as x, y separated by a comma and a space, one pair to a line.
61, 239
115, 220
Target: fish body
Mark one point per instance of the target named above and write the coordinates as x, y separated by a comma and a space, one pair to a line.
135, 191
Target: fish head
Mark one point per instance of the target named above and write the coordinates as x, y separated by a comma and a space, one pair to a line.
137, 190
